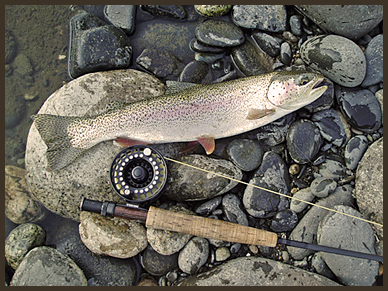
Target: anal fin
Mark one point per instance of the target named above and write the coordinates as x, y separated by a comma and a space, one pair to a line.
208, 143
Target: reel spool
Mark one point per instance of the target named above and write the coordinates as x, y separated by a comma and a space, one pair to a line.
138, 174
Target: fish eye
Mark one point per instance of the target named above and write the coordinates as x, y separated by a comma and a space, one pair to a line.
303, 80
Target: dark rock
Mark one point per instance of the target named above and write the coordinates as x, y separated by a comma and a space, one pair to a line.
194, 72
175, 11
217, 32
374, 62
354, 150
285, 53
89, 54
157, 264
296, 25
360, 107
270, 18
202, 48
325, 101
122, 16
245, 154
303, 141
207, 207
234, 210
269, 44
275, 132
284, 220
10, 46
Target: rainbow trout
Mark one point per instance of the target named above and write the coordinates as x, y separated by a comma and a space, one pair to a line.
199, 113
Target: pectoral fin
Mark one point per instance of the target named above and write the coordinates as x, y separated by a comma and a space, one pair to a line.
255, 113
208, 143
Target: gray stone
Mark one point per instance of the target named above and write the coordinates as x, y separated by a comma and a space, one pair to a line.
194, 72
380, 97
21, 240
122, 16
167, 242
44, 266
245, 153
222, 254
115, 237
269, 44
322, 187
332, 169
234, 209
351, 21
340, 231
61, 191
174, 11
354, 150
303, 194
296, 25
207, 207
336, 57
212, 10
194, 255
256, 271
157, 264
374, 62
20, 204
188, 184
320, 266
285, 53
284, 220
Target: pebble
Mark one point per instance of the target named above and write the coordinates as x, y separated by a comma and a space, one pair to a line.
354, 150
222, 254
122, 16
174, 11
194, 255
235, 248
45, 266
256, 271
209, 206
332, 126
251, 60
202, 185
275, 132
21, 206
322, 187
374, 62
337, 230
360, 107
234, 210
336, 57
303, 141
269, 44
115, 237
351, 21
212, 10
332, 169
285, 53
296, 25
157, 264
21, 240
10, 46
168, 242
303, 194
194, 72
319, 265
196, 46
245, 154
217, 32
284, 221
271, 18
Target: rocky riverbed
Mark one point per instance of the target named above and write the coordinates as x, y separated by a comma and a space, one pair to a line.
329, 152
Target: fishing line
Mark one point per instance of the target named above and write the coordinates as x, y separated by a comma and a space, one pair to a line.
273, 192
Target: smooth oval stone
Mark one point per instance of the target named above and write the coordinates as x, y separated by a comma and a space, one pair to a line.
212, 10
303, 194
354, 150
210, 205
175, 11
296, 25
157, 264
194, 255
196, 46
217, 32
332, 169
269, 44
284, 220
245, 153
194, 72
336, 57
285, 53
374, 62
234, 210
303, 141
322, 187
122, 16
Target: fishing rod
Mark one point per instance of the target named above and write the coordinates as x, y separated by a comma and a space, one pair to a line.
139, 173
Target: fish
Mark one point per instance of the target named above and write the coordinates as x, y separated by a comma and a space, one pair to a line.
200, 112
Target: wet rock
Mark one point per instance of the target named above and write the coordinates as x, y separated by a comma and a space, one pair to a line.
351, 21
194, 72
270, 18
23, 66
87, 52
303, 194
10, 46
256, 271
196, 46
234, 210
284, 220
188, 184
332, 169
322, 187
21, 240
115, 237
174, 11
251, 60
21, 206
296, 25
337, 230
217, 32
303, 141
275, 132
245, 154
122, 16
61, 191
336, 57
222, 254
194, 255
161, 63
325, 101
44, 266
212, 10
374, 62
157, 264
269, 44
210, 205
354, 150
332, 126
168, 242
360, 107
285, 53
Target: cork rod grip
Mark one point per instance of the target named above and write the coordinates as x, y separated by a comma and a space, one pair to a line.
209, 228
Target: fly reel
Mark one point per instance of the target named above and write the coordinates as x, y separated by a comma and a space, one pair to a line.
138, 174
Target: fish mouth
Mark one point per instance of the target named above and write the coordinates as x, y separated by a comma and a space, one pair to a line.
316, 91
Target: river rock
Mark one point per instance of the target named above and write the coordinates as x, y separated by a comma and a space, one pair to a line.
188, 184
270, 18
61, 191
194, 255
245, 153
354, 150
374, 62
174, 11
194, 72
284, 220
275, 132
20, 204
115, 237
122, 16
322, 187
234, 210
336, 57
256, 271
21, 240
303, 194
167, 242
269, 44
285, 53
157, 264
351, 21
338, 231
212, 10
332, 169
45, 266
207, 207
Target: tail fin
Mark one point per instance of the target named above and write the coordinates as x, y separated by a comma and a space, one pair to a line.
53, 131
